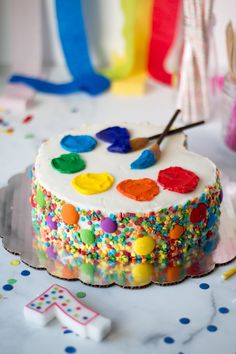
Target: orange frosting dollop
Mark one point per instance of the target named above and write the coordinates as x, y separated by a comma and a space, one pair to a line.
144, 189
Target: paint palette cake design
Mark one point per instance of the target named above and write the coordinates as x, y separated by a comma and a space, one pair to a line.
167, 213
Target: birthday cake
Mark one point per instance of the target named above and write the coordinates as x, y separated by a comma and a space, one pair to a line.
93, 198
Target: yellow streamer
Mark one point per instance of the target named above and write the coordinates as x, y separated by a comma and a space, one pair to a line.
130, 71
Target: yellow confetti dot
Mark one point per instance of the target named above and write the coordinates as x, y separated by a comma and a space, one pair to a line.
15, 262
142, 273
144, 245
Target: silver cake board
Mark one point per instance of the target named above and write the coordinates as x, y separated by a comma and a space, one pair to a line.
17, 236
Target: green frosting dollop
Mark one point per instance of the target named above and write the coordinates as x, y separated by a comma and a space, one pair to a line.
68, 163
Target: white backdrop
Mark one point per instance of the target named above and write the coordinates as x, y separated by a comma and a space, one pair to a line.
104, 23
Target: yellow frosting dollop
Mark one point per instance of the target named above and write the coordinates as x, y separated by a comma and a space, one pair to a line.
92, 183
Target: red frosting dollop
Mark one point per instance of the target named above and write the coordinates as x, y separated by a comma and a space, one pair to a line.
177, 179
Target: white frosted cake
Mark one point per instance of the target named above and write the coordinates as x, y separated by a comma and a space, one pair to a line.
87, 201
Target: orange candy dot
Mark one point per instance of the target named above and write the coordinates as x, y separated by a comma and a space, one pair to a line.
173, 274
143, 189
69, 214
176, 232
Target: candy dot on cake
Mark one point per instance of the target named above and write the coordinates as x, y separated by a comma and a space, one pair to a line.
25, 273
50, 223
69, 214
142, 273
176, 232
39, 198
92, 183
68, 163
87, 269
144, 245
211, 220
198, 214
87, 236
108, 225
144, 189
78, 143
178, 179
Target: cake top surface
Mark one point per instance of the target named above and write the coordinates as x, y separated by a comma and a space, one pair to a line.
101, 160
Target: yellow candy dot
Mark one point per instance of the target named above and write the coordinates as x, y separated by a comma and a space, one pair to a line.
92, 183
142, 273
144, 245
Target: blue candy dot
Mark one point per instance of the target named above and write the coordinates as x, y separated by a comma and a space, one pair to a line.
25, 273
223, 310
70, 350
212, 328
48, 302
66, 331
169, 340
184, 320
60, 297
204, 286
7, 287
38, 307
53, 292
45, 295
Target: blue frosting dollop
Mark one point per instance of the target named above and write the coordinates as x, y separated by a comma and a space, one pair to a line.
112, 134
120, 146
145, 160
78, 143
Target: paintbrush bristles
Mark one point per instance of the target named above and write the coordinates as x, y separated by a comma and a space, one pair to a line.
138, 143
156, 150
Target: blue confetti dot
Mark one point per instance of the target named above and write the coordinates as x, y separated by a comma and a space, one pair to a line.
48, 302
184, 320
7, 287
66, 331
204, 286
223, 310
60, 297
169, 340
25, 273
70, 350
38, 307
212, 328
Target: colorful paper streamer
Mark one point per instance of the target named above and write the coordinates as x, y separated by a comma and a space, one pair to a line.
74, 44
164, 24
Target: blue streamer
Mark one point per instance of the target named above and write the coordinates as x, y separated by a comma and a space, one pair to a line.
74, 44
92, 84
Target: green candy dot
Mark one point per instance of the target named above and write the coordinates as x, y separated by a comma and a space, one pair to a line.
40, 199
87, 236
81, 294
11, 281
87, 269
68, 163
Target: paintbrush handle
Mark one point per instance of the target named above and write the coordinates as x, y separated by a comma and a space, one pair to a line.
178, 130
167, 128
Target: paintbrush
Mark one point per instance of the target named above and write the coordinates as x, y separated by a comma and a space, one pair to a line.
150, 156
141, 142
155, 148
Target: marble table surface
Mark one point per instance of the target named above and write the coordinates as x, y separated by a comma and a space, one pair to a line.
143, 320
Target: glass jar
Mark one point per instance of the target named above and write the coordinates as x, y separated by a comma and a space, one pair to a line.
229, 112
